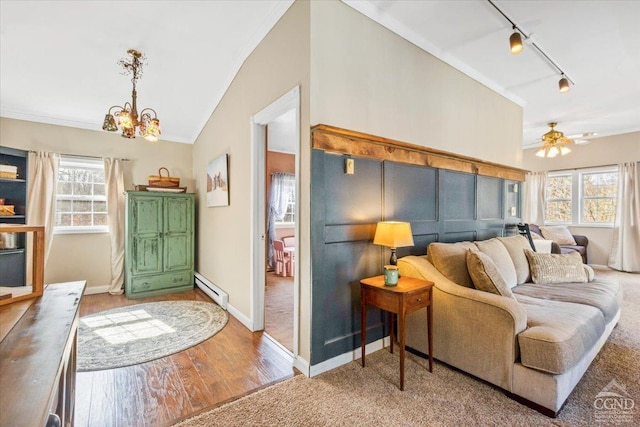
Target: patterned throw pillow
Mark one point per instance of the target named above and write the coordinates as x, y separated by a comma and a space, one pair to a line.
559, 234
485, 275
556, 268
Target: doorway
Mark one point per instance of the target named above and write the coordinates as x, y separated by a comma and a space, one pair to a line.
275, 288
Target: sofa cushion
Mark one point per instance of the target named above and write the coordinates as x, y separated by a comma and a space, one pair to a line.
558, 333
501, 258
559, 234
485, 275
555, 268
515, 246
451, 260
604, 296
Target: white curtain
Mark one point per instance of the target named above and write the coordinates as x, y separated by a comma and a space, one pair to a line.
625, 248
114, 189
282, 186
534, 198
41, 200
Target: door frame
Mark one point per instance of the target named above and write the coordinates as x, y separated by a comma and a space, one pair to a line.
258, 122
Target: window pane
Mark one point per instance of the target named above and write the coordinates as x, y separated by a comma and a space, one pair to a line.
64, 174
558, 211
559, 187
98, 190
63, 206
98, 175
99, 206
63, 219
64, 188
100, 219
599, 210
82, 189
81, 206
82, 219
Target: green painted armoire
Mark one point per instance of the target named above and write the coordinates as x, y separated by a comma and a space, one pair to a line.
159, 229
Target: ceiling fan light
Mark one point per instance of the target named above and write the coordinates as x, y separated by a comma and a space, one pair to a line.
563, 84
542, 152
515, 42
564, 150
553, 151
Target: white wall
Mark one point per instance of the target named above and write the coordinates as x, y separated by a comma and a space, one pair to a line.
87, 256
599, 152
278, 64
367, 79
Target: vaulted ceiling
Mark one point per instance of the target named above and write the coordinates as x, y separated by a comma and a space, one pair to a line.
58, 59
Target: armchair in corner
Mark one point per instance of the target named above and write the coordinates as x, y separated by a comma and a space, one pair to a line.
563, 240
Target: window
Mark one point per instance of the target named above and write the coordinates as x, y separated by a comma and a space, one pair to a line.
81, 202
290, 214
598, 197
559, 191
582, 197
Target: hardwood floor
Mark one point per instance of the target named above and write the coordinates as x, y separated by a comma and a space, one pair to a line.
278, 309
231, 364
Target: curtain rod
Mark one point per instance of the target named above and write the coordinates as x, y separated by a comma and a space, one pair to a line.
586, 167
80, 156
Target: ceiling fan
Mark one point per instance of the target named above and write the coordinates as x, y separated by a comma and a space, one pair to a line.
554, 142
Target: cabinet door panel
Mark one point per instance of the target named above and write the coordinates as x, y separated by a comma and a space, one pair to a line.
147, 215
147, 255
178, 215
177, 252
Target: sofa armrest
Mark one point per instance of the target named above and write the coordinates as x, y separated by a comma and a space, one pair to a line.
473, 330
581, 240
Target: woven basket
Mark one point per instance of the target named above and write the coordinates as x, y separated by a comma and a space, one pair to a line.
163, 181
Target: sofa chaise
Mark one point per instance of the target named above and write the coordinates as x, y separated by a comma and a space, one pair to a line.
536, 342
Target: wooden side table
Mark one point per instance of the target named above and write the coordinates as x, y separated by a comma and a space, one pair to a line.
409, 295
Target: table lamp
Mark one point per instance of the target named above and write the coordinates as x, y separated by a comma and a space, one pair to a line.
393, 234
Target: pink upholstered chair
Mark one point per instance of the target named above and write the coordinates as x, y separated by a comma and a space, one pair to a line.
284, 260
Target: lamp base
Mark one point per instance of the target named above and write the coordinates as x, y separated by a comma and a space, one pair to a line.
394, 259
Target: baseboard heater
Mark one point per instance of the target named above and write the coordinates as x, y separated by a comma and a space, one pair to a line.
217, 294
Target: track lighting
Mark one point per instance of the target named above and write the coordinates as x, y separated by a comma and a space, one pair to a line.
564, 84
516, 46
515, 41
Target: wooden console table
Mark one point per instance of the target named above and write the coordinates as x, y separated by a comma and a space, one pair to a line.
38, 359
407, 296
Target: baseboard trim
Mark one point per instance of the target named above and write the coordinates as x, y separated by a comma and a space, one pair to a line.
241, 317
302, 365
348, 357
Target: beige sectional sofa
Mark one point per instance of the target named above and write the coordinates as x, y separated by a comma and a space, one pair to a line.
536, 341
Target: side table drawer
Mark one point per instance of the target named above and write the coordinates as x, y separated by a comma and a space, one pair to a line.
418, 300
152, 283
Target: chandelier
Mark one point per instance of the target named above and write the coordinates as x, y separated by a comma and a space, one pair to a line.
553, 143
127, 118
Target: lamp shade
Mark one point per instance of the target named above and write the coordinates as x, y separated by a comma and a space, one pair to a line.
393, 234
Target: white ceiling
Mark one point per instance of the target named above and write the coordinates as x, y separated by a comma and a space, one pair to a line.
58, 59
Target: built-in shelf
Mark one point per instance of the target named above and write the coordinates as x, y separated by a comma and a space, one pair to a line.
11, 251
12, 216
13, 180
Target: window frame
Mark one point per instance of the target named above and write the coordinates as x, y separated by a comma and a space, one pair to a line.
291, 210
577, 195
87, 163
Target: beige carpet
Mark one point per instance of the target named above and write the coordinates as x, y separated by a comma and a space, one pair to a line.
353, 396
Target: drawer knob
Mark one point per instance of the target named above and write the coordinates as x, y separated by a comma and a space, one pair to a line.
419, 299
146, 285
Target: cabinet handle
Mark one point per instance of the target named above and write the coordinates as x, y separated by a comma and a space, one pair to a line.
53, 420
419, 299
146, 285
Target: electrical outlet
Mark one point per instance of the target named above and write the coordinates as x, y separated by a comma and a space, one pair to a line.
349, 166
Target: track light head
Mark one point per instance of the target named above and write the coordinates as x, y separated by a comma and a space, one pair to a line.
515, 42
563, 84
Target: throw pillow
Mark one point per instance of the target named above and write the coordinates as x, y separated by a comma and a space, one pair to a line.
501, 258
559, 234
556, 268
515, 246
589, 272
449, 259
485, 275
536, 236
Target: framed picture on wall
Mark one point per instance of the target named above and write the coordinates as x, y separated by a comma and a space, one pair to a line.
218, 182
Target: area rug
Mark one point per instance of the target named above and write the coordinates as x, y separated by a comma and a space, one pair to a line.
139, 333
354, 396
